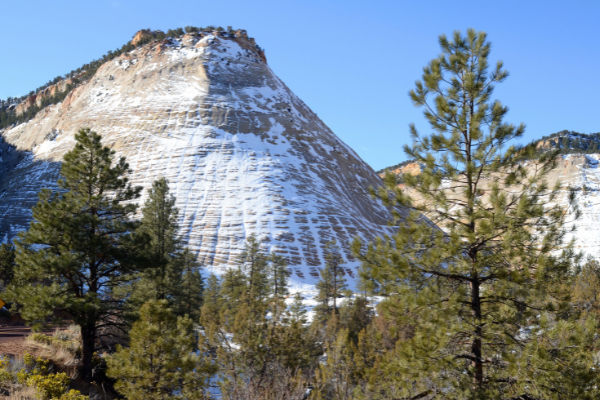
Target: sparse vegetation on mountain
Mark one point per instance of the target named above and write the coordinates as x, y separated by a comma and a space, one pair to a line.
569, 142
565, 142
487, 300
175, 32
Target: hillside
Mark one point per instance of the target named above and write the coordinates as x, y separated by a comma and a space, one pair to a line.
578, 169
243, 154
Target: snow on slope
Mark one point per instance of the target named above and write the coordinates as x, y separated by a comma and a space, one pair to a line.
242, 153
581, 172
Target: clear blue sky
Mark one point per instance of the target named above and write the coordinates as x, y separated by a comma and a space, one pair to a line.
352, 62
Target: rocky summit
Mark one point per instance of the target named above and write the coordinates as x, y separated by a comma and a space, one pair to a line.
242, 153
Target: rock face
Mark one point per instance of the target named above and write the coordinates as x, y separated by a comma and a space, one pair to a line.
44, 95
141, 35
25, 104
578, 171
242, 153
581, 172
412, 168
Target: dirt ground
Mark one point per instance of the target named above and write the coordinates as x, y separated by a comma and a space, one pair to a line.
12, 339
13, 348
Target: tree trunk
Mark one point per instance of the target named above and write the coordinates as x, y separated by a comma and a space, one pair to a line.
335, 288
88, 339
476, 346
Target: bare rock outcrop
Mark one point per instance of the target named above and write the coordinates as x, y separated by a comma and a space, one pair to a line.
141, 35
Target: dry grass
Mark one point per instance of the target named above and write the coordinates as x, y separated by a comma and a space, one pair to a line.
61, 348
22, 393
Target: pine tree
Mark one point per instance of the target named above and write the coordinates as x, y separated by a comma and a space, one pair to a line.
253, 263
586, 291
325, 292
188, 299
171, 272
78, 248
7, 263
298, 348
485, 297
161, 362
334, 262
267, 335
355, 315
212, 302
334, 377
159, 228
332, 283
233, 287
278, 275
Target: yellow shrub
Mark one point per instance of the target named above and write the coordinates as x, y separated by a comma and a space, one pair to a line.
37, 366
5, 375
49, 386
73, 395
36, 375
41, 338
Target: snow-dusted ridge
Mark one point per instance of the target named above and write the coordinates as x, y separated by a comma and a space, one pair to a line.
243, 154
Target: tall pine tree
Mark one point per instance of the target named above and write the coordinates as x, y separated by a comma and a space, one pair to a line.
189, 298
212, 302
253, 264
78, 248
159, 229
171, 272
332, 284
485, 298
161, 361
278, 275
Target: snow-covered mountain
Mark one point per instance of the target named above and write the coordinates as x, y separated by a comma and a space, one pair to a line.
242, 153
582, 172
576, 170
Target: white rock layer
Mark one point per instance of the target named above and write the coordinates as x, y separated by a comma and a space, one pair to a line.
242, 153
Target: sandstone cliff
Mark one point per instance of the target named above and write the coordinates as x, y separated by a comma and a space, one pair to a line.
578, 171
243, 154
412, 168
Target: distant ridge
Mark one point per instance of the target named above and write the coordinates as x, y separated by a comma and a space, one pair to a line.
570, 142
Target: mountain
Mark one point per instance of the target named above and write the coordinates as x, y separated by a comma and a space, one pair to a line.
578, 169
243, 154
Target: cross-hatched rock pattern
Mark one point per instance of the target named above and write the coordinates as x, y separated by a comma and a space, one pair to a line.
242, 153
